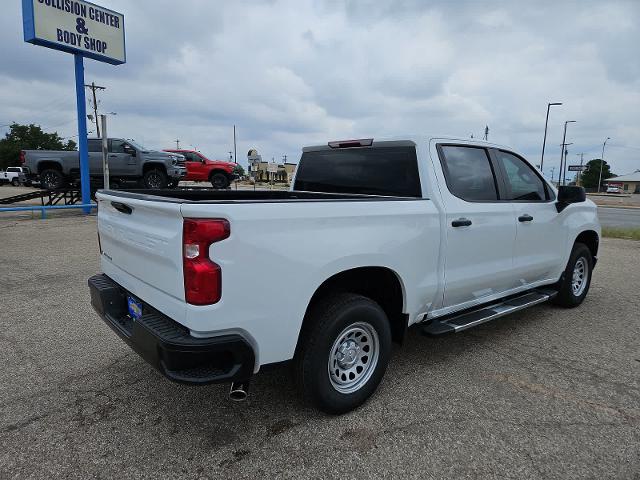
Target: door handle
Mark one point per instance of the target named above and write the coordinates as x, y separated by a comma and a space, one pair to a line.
122, 208
461, 222
525, 218
113, 155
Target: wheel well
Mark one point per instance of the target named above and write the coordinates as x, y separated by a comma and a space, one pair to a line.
380, 284
153, 166
213, 172
49, 166
591, 240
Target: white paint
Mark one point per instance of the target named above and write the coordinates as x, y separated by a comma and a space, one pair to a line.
279, 253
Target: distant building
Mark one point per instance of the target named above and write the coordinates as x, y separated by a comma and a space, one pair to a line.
628, 183
284, 174
260, 171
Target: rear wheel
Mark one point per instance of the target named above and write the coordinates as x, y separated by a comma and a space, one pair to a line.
343, 352
155, 179
574, 286
219, 181
51, 179
15, 182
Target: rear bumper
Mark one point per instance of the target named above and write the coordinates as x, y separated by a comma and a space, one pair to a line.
167, 345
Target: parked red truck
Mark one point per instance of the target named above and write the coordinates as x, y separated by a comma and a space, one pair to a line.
201, 169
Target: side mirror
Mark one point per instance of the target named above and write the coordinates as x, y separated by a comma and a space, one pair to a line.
568, 195
130, 150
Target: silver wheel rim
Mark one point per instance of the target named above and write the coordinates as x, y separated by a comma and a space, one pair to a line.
579, 277
50, 180
154, 180
353, 357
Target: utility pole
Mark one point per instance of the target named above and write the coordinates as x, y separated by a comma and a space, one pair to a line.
553, 170
284, 159
93, 87
580, 172
235, 151
602, 162
486, 132
563, 163
564, 145
177, 144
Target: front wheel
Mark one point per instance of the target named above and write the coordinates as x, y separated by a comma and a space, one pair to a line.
343, 353
574, 286
219, 181
15, 182
155, 179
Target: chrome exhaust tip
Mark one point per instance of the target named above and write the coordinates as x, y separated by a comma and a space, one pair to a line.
239, 391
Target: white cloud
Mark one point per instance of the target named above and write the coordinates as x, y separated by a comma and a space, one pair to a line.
290, 73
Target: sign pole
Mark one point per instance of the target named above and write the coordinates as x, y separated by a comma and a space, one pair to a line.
85, 188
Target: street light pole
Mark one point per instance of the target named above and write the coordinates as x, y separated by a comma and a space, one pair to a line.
544, 141
563, 173
602, 163
564, 138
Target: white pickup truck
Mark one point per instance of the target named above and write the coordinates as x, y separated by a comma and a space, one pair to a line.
374, 236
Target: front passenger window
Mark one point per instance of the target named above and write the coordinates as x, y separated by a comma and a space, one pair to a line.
523, 183
117, 146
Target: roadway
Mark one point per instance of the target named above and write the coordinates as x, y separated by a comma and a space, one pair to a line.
619, 217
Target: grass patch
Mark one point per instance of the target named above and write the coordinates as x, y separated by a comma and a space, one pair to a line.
626, 233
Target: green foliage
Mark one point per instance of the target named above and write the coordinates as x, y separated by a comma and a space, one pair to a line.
590, 177
238, 170
626, 233
28, 137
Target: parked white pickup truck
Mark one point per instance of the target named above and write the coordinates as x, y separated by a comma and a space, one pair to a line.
16, 176
211, 286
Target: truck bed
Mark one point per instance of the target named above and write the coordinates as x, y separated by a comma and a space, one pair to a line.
195, 195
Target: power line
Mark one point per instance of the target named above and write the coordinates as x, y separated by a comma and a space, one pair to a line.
93, 87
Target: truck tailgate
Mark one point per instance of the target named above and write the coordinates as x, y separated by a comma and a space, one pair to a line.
143, 239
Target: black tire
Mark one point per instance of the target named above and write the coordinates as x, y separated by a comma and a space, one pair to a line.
51, 179
155, 179
219, 181
15, 182
320, 343
570, 293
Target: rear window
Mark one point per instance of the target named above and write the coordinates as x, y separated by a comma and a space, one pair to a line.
389, 171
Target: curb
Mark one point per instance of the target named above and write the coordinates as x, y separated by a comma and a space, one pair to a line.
629, 207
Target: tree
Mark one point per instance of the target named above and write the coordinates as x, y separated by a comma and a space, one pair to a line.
28, 137
589, 177
238, 170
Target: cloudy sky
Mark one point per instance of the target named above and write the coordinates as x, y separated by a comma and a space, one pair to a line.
291, 73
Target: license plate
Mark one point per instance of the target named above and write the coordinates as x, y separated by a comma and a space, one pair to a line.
135, 308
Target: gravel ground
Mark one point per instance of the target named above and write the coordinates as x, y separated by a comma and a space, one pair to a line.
548, 393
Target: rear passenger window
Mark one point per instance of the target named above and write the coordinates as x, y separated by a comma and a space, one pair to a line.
95, 145
523, 183
377, 170
468, 173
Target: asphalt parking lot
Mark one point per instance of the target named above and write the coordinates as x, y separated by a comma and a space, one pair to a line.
548, 393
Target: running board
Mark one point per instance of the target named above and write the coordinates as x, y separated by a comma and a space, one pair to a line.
459, 322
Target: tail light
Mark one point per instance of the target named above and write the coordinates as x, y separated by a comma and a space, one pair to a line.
202, 277
363, 142
22, 157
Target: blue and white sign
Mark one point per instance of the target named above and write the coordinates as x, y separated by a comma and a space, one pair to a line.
75, 26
